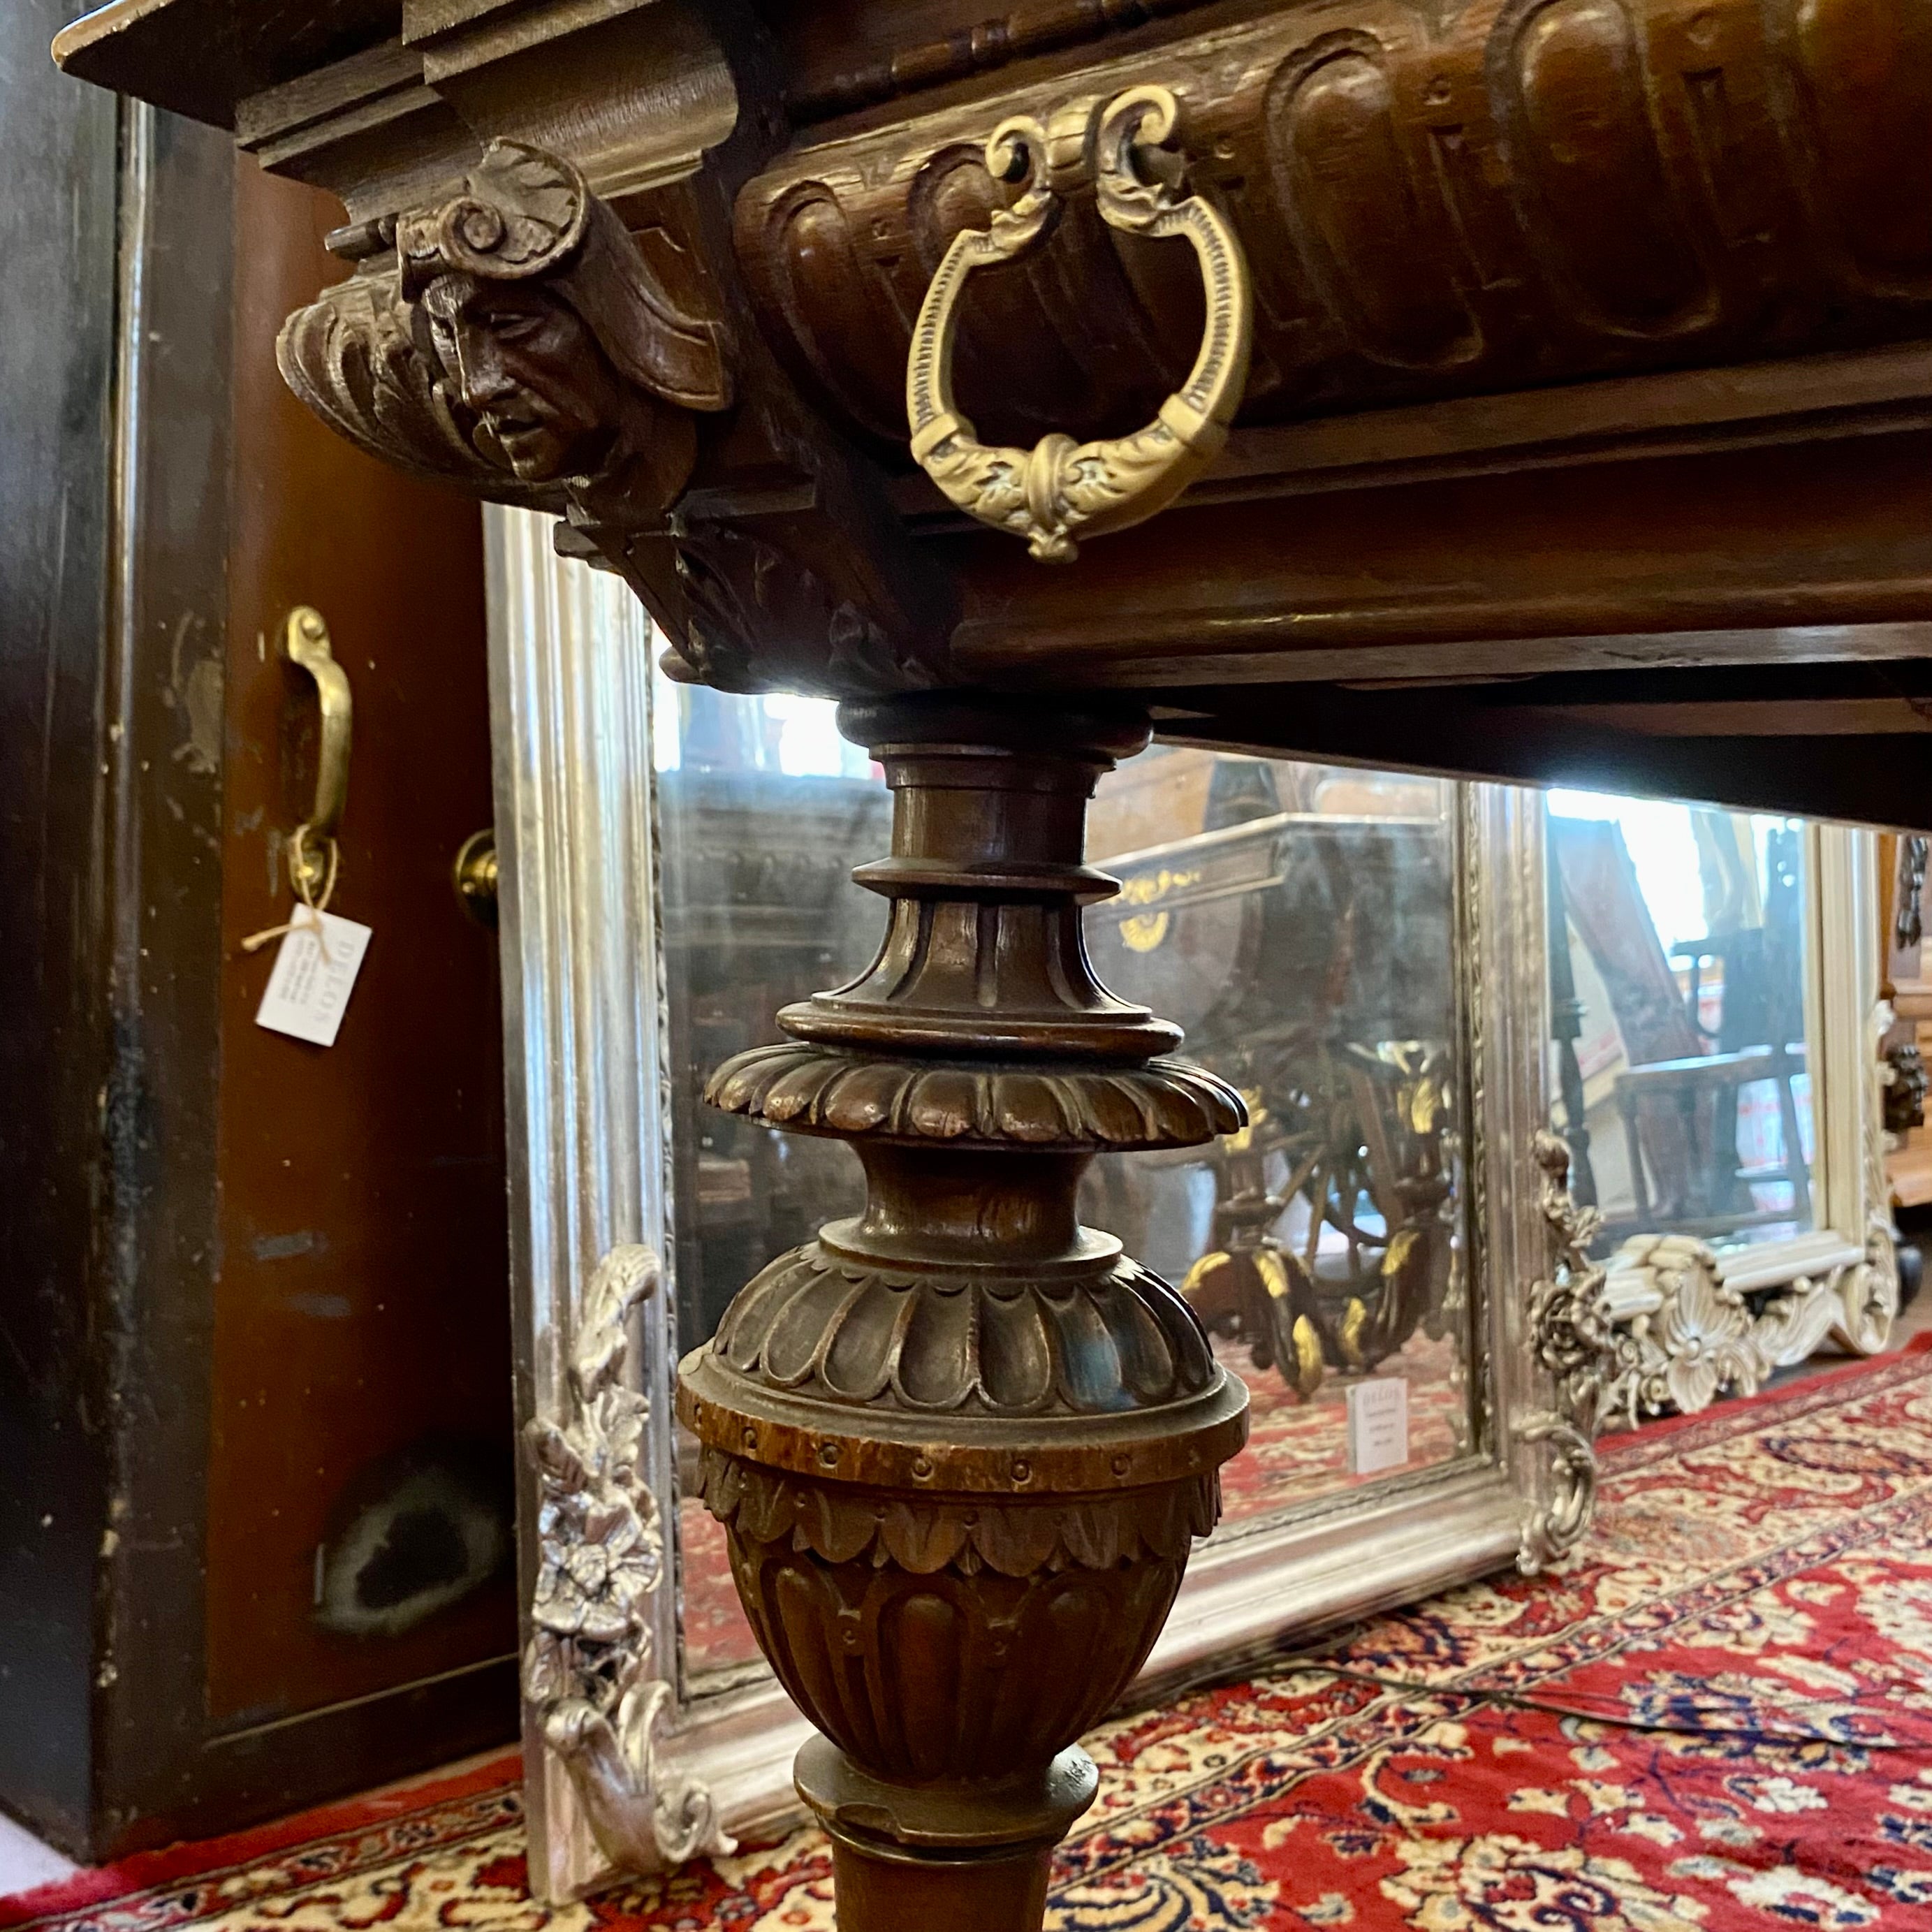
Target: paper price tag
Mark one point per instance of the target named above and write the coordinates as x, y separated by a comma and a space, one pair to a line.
1378, 1424
314, 973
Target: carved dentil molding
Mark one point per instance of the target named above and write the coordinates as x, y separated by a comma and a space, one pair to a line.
587, 1671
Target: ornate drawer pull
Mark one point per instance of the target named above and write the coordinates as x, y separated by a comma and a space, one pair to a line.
1061, 488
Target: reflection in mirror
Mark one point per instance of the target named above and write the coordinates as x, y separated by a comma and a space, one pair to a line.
1678, 974
1298, 921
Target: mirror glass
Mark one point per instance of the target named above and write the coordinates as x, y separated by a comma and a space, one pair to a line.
1297, 920
1678, 1013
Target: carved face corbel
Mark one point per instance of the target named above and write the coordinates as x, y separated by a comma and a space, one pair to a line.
516, 339
521, 343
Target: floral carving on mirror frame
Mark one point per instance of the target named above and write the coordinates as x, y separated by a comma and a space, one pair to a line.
1579, 1347
587, 1670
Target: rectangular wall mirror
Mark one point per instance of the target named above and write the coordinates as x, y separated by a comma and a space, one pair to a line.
1714, 976
1380, 1256
1298, 921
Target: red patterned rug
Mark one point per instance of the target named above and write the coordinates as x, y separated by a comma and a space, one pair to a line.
1716, 1717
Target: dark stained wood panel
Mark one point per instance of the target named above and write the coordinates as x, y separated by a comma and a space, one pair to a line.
1433, 202
199, 57
362, 1341
55, 354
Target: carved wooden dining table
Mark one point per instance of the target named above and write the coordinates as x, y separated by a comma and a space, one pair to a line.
1539, 390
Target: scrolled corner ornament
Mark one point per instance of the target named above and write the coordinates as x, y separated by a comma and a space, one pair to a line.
1061, 490
586, 1670
1579, 1346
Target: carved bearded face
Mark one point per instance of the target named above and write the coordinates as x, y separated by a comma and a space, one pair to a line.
527, 365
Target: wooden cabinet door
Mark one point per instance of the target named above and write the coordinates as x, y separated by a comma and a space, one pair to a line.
360, 1531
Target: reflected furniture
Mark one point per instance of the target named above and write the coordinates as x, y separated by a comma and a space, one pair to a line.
758, 912
1703, 1093
1290, 942
1677, 1098
1711, 1290
1556, 372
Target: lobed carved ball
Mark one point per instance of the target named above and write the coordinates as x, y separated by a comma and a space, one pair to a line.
952, 1669
816, 1089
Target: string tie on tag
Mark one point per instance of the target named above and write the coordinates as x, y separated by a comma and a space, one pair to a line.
307, 916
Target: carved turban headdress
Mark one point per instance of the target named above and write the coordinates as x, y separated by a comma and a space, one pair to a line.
528, 215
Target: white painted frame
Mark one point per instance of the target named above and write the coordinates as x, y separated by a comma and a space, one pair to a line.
570, 671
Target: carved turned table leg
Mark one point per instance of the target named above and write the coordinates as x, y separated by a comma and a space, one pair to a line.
961, 1444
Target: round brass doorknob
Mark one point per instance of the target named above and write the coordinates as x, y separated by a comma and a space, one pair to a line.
474, 876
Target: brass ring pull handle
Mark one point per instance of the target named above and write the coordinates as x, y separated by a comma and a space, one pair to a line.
305, 642
1060, 489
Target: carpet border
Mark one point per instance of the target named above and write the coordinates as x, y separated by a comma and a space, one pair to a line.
202, 1861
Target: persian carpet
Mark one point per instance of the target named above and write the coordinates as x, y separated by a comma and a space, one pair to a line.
1715, 1717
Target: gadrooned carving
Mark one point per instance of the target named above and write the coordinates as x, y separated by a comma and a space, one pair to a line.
1532, 193
964, 1668
517, 341
847, 1332
587, 1667
1061, 488
1161, 1103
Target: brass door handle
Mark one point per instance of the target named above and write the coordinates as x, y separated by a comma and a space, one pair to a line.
1060, 488
305, 642
475, 875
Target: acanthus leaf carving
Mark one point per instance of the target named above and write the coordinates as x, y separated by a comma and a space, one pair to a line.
755, 616
352, 357
923, 1536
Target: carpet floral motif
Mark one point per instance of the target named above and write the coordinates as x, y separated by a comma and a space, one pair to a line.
1715, 1717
